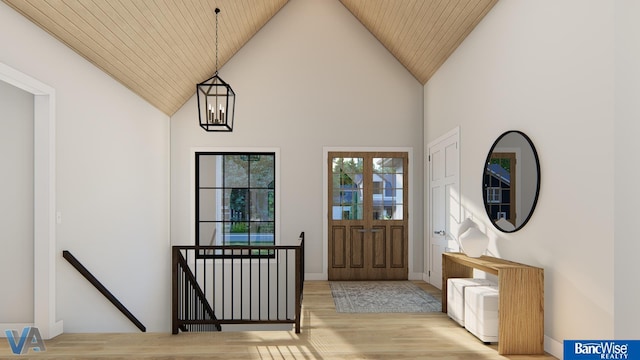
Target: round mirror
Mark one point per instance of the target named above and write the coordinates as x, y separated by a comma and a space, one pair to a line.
511, 181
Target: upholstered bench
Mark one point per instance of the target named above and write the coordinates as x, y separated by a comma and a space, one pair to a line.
481, 312
455, 296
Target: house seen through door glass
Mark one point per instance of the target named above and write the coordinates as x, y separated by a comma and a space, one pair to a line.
348, 189
235, 199
387, 188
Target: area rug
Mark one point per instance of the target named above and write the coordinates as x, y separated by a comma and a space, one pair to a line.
381, 297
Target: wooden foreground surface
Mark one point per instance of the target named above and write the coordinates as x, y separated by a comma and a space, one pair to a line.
326, 334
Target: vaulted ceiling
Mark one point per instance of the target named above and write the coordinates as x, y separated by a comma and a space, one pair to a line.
154, 47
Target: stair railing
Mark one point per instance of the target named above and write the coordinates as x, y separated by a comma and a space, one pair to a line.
237, 285
192, 311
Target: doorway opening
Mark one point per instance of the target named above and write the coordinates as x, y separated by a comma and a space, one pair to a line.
44, 218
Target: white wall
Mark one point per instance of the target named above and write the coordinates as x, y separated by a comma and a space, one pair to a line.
112, 184
16, 206
312, 77
627, 173
545, 68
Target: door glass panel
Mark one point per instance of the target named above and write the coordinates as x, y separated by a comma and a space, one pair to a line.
387, 188
347, 188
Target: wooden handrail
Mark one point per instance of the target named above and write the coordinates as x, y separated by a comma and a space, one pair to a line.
103, 290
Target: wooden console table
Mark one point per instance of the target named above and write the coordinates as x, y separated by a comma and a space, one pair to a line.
521, 299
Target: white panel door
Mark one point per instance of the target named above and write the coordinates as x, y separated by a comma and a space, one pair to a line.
444, 201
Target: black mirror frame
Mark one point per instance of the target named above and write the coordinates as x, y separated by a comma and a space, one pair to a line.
484, 169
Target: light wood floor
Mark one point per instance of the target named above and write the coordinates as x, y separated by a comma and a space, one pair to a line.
326, 334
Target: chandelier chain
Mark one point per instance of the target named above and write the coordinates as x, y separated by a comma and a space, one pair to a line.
217, 11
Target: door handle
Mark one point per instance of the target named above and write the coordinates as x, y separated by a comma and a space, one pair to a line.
441, 232
376, 230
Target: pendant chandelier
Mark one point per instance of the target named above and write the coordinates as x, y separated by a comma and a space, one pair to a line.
216, 99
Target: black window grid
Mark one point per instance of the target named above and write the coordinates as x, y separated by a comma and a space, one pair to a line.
247, 218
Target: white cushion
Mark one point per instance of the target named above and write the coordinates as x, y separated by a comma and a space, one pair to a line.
481, 312
455, 296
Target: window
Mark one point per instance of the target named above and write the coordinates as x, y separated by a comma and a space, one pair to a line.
378, 187
235, 198
494, 195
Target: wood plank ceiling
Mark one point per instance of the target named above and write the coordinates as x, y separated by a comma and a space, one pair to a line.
155, 48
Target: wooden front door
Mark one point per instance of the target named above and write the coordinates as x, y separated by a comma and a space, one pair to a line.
368, 216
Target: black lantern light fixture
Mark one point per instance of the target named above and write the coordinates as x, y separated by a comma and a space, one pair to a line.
216, 99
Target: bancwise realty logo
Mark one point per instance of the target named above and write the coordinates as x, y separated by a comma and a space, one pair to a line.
29, 339
601, 349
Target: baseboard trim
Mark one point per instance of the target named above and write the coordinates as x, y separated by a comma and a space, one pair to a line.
416, 276
553, 347
315, 276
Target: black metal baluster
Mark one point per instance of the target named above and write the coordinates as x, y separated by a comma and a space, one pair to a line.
223, 299
242, 287
204, 279
259, 288
268, 288
286, 277
214, 281
232, 286
277, 285
250, 286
